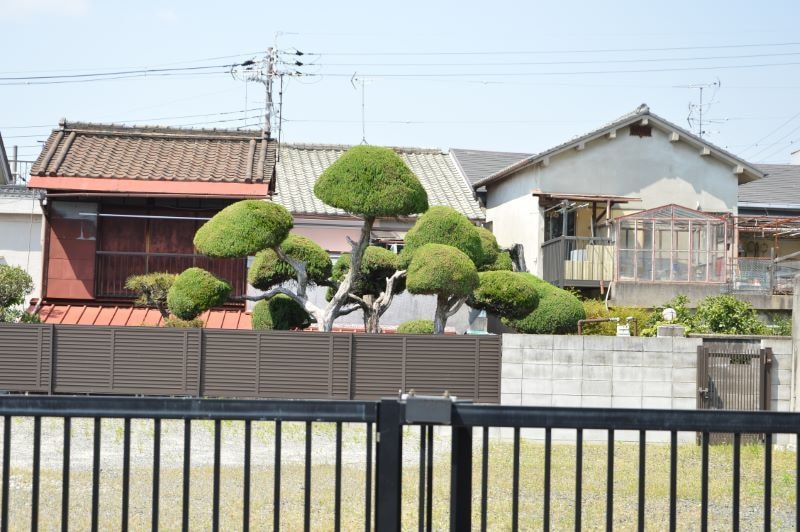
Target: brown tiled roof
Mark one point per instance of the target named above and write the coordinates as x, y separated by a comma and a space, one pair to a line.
79, 314
156, 153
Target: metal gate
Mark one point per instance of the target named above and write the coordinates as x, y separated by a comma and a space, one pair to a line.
733, 376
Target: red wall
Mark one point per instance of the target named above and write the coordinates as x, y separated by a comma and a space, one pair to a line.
71, 254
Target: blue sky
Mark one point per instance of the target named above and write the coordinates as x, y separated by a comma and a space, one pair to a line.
514, 76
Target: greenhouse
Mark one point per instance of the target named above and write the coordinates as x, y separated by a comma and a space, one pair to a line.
672, 244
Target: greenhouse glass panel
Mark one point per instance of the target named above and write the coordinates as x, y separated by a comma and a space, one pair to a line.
626, 265
680, 265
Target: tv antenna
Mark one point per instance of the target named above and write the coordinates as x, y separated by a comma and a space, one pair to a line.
699, 107
363, 81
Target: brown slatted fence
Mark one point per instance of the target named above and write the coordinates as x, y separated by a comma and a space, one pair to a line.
228, 363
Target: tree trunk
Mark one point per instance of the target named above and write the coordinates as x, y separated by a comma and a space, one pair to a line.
440, 318
372, 321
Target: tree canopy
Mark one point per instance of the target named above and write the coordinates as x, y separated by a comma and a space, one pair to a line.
441, 270
505, 293
281, 313
371, 181
378, 264
269, 270
243, 229
558, 311
194, 291
443, 225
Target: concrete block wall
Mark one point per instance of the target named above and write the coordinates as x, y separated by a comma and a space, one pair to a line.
607, 371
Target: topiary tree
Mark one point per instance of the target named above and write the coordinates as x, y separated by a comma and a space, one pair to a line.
444, 225
194, 291
279, 312
416, 327
152, 289
447, 273
366, 182
505, 293
379, 281
15, 284
558, 311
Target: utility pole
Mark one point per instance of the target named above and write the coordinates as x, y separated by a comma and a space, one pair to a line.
270, 74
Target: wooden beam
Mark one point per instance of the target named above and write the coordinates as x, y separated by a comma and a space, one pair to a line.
645, 121
546, 162
580, 147
674, 137
612, 134
738, 169
705, 151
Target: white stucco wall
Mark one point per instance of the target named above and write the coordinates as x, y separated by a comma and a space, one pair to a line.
21, 236
653, 169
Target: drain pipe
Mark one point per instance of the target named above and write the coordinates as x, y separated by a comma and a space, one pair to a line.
594, 320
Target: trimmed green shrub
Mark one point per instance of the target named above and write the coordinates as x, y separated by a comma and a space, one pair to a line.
558, 311
416, 327
505, 293
727, 315
177, 323
502, 262
281, 313
194, 291
443, 225
489, 247
268, 270
442, 270
376, 266
152, 289
243, 229
371, 181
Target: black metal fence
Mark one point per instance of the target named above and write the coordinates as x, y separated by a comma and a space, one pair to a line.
391, 417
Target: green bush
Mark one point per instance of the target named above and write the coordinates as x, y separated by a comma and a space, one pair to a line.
558, 311
243, 229
442, 270
15, 284
504, 293
268, 270
595, 308
727, 315
177, 323
152, 288
502, 262
489, 247
683, 316
416, 327
371, 181
281, 313
377, 265
194, 291
443, 225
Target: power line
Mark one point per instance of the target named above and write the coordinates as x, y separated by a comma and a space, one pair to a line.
143, 71
576, 62
539, 52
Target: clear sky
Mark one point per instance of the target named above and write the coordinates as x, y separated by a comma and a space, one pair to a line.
512, 76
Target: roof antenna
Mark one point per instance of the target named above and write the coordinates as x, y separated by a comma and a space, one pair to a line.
353, 81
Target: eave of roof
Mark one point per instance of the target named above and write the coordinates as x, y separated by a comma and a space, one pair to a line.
643, 111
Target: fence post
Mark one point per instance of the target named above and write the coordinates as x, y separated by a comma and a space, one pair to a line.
461, 479
389, 460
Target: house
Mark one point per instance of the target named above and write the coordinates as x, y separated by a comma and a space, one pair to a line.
640, 202
21, 228
768, 224
126, 200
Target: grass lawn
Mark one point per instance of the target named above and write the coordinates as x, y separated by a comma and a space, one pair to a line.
292, 488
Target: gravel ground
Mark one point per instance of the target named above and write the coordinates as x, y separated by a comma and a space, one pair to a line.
353, 459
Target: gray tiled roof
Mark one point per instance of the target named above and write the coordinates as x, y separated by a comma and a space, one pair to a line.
477, 164
299, 166
780, 187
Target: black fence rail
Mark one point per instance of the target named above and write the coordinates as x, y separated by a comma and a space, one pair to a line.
383, 453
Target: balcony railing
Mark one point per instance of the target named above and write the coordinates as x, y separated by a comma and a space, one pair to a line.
578, 261
762, 275
114, 268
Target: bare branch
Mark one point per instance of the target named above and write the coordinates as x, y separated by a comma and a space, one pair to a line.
359, 300
344, 311
455, 305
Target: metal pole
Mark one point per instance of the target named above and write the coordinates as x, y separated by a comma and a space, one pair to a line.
461, 479
388, 484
